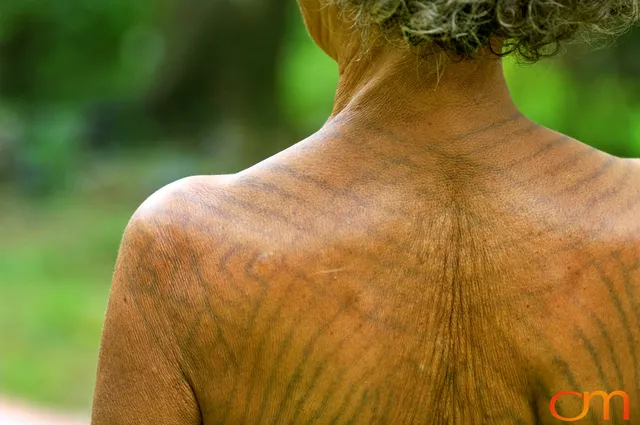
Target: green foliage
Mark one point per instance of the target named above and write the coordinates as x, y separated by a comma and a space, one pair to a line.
80, 49
59, 59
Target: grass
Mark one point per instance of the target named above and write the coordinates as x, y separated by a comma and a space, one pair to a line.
54, 281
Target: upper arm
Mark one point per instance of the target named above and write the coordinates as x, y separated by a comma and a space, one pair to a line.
140, 377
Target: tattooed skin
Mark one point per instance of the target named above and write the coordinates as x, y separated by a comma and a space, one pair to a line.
430, 256
286, 295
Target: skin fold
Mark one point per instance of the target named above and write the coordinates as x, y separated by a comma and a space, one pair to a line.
430, 256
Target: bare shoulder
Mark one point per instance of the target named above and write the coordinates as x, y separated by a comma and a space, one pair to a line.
634, 164
202, 215
634, 201
201, 235
175, 202
630, 190
215, 246
154, 305
160, 260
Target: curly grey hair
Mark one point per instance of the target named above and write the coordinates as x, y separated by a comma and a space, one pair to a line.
531, 28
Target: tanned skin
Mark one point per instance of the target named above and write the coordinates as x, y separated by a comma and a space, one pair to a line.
430, 256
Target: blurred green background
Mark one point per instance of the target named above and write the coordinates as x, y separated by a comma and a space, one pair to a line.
103, 102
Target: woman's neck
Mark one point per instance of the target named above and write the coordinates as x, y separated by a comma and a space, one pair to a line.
413, 97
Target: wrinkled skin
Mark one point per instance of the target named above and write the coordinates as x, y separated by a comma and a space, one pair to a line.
430, 256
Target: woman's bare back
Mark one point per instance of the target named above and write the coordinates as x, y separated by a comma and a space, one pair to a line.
338, 291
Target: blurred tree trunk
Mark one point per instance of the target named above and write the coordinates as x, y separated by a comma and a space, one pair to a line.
220, 74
